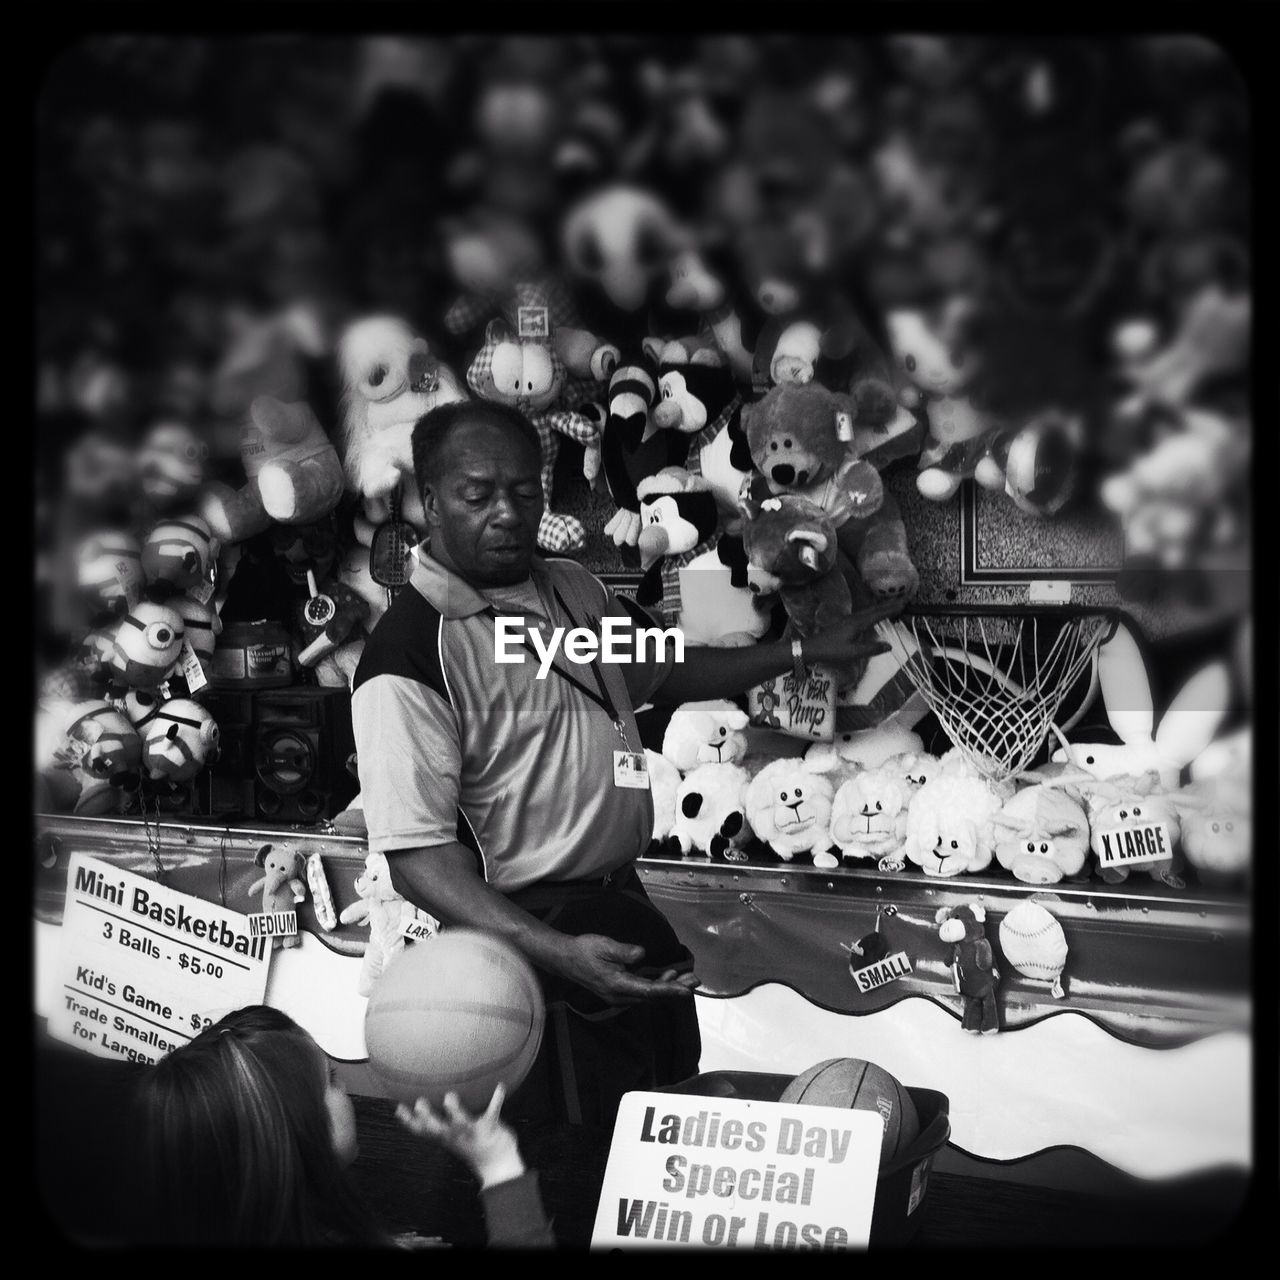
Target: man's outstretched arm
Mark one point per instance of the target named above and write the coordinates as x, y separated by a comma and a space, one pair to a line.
708, 672
443, 880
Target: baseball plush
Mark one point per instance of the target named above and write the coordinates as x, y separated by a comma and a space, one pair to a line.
1033, 942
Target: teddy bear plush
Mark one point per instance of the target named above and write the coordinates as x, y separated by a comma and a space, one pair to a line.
390, 378
385, 913
710, 812
803, 443
973, 965
294, 474
282, 887
522, 369
705, 733
789, 808
790, 548
869, 817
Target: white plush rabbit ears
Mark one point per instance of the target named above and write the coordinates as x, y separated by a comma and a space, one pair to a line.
1190, 722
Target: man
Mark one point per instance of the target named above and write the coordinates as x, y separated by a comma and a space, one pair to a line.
508, 803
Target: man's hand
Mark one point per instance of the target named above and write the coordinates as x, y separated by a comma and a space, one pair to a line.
602, 966
853, 638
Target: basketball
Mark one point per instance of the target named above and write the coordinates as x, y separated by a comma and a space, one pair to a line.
461, 1011
862, 1086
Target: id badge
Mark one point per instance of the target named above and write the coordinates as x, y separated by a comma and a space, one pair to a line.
630, 769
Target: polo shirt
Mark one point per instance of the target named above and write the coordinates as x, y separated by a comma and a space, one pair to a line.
453, 746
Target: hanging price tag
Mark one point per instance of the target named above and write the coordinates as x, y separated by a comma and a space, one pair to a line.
533, 322
882, 972
192, 671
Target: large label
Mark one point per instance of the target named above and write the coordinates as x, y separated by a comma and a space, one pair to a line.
144, 969
727, 1173
1131, 846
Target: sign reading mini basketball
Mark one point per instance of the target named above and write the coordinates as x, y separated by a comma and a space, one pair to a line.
728, 1173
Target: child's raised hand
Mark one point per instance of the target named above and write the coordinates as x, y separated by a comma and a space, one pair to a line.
485, 1142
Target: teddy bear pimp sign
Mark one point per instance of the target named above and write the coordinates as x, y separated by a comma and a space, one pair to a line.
729, 1173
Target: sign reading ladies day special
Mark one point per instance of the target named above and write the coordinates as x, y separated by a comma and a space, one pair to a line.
733, 1174
144, 968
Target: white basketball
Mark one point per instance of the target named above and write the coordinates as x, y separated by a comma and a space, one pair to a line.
1033, 942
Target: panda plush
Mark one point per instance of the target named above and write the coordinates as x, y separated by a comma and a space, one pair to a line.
698, 397
631, 446
688, 581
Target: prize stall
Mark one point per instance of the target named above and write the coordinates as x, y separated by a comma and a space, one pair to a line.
793, 347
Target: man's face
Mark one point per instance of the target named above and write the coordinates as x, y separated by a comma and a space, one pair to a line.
484, 505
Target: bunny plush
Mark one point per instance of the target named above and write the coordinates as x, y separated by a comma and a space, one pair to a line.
1185, 730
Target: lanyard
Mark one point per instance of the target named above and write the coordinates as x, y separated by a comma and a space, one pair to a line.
603, 699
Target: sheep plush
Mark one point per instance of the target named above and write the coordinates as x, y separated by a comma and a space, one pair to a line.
705, 733
789, 808
862, 749
710, 812
1217, 829
390, 379
664, 782
950, 826
869, 817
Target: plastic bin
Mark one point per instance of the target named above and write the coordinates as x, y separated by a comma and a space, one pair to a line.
901, 1187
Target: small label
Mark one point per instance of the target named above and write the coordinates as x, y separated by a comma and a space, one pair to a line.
630, 769
533, 322
1049, 591
883, 971
273, 924
919, 1181
416, 930
1129, 846
192, 671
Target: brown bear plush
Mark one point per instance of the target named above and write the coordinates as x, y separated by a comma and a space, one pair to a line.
803, 442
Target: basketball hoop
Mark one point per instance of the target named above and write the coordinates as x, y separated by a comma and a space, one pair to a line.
995, 676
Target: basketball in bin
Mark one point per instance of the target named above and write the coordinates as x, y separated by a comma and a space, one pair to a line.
860, 1086
459, 1012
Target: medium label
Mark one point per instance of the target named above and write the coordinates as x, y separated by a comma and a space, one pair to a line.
273, 924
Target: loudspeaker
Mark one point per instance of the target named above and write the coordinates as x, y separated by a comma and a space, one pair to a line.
302, 739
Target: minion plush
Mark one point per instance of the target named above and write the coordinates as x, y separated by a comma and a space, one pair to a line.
109, 578
202, 625
140, 706
180, 739
145, 646
105, 743
177, 555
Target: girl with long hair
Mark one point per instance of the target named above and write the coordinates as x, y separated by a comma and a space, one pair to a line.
248, 1137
